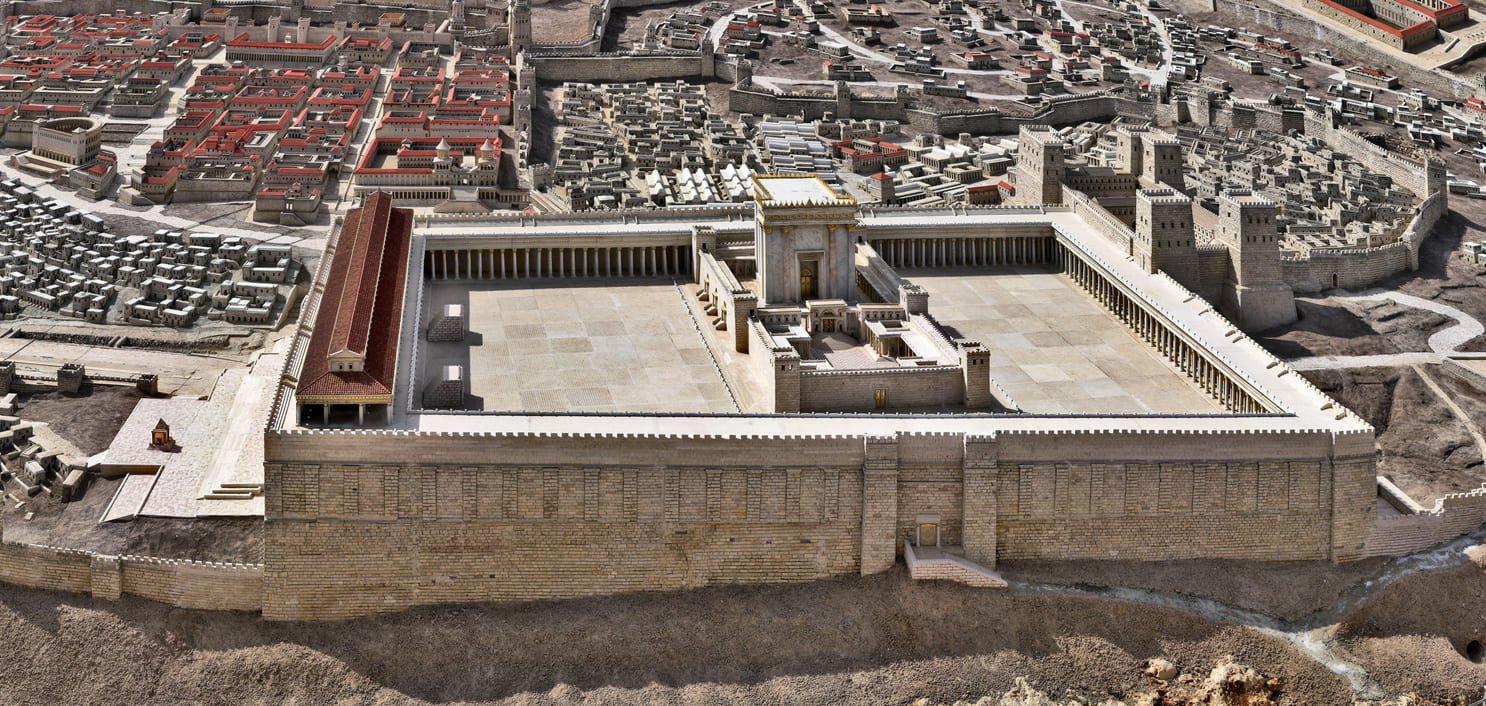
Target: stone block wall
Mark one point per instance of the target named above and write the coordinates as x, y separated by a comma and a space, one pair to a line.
448, 326
621, 67
349, 539
1325, 269
45, 567
1453, 515
565, 516
193, 585
1152, 511
1306, 499
181, 583
855, 390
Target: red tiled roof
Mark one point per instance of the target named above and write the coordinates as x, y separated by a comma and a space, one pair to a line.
361, 309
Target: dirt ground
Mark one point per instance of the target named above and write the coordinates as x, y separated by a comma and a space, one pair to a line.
89, 419
75, 525
1287, 590
1415, 635
560, 21
1426, 450
861, 640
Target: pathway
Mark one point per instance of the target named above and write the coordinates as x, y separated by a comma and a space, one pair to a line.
1441, 343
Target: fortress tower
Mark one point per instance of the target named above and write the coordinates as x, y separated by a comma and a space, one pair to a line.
1164, 237
1130, 147
1256, 296
456, 18
1161, 161
1039, 167
518, 20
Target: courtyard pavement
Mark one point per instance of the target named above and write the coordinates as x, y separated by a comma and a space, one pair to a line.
1053, 349
616, 346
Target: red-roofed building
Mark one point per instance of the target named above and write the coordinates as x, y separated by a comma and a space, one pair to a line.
241, 48
359, 76
260, 97
868, 155
327, 97
369, 50
351, 358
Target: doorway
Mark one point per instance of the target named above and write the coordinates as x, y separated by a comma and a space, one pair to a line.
880, 398
807, 279
928, 530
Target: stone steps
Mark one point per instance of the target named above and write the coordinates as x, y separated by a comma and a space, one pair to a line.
942, 564
446, 392
235, 491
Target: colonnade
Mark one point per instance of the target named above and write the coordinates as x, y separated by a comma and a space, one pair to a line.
951, 252
641, 261
433, 195
1208, 375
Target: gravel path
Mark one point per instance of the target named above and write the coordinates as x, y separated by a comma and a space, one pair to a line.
1441, 343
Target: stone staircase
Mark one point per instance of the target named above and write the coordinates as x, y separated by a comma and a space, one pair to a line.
448, 326
948, 564
448, 391
235, 491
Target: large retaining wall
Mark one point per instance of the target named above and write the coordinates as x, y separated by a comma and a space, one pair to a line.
181, 583
639, 66
348, 533
1099, 107
1095, 106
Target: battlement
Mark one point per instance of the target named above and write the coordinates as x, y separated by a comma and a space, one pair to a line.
1164, 197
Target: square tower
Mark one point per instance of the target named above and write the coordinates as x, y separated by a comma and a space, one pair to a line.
1257, 297
803, 245
1161, 160
1164, 238
1129, 148
1039, 166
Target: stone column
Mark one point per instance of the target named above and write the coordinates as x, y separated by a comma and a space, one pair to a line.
880, 504
106, 577
979, 500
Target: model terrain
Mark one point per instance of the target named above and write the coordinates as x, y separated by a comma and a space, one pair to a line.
817, 351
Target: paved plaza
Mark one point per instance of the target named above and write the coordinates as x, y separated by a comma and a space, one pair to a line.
625, 346
1053, 349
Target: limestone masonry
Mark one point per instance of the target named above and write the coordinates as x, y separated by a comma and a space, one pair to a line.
487, 501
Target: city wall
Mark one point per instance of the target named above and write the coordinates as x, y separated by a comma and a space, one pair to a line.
762, 101
180, 583
638, 66
1100, 107
1453, 515
348, 533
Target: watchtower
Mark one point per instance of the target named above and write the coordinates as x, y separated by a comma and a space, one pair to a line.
1130, 147
1039, 166
1257, 296
1161, 160
1164, 238
518, 21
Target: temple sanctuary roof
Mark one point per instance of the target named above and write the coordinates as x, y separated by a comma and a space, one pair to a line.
361, 312
797, 190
